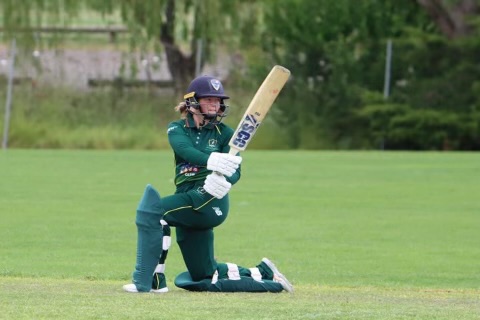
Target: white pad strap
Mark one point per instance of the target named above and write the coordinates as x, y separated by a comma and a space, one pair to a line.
233, 273
167, 242
255, 273
215, 277
160, 268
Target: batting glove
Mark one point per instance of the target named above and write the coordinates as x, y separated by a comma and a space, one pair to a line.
223, 163
217, 185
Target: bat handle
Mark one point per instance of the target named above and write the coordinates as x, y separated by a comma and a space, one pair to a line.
233, 151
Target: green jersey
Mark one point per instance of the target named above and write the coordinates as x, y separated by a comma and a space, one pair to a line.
196, 145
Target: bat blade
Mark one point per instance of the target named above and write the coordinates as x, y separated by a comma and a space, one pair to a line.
258, 108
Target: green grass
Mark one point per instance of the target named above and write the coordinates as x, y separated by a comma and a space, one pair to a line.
362, 235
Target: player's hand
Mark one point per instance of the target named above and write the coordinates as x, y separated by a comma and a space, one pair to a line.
217, 185
223, 163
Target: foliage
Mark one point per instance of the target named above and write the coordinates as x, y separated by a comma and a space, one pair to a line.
331, 47
172, 26
376, 118
434, 77
102, 119
336, 52
441, 94
399, 127
108, 118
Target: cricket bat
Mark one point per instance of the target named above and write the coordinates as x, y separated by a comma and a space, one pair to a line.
258, 108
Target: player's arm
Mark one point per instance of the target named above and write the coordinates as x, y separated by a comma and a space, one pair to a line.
183, 146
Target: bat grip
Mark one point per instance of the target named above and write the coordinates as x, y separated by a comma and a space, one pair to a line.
233, 151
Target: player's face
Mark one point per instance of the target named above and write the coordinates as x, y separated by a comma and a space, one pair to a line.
209, 105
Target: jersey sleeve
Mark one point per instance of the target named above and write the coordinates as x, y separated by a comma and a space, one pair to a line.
183, 146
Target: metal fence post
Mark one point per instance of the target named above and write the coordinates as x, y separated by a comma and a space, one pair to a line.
388, 68
8, 103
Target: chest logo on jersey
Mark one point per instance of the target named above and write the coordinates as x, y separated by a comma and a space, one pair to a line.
212, 143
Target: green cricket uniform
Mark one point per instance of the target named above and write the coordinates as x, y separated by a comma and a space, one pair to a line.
194, 223
194, 213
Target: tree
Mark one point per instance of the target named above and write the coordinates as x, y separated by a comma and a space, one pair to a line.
333, 47
453, 18
175, 24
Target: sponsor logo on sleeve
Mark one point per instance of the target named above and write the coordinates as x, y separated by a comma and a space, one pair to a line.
170, 129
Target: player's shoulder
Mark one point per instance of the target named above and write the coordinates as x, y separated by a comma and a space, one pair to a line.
175, 126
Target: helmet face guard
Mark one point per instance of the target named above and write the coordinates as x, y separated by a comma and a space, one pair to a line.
202, 87
192, 102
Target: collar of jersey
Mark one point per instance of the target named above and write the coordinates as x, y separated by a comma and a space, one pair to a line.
190, 123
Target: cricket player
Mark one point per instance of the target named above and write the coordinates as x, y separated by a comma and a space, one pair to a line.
204, 174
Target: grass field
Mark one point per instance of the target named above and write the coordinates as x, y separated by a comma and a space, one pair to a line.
362, 235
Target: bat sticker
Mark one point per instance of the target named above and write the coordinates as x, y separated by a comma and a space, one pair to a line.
246, 132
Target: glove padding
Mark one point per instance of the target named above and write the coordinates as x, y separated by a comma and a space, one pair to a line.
217, 185
223, 163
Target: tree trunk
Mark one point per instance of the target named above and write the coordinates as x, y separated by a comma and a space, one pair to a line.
452, 20
181, 67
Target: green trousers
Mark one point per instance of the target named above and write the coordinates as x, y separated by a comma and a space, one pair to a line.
194, 213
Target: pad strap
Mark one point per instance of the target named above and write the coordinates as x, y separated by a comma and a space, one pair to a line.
215, 277
255, 273
167, 242
233, 273
160, 268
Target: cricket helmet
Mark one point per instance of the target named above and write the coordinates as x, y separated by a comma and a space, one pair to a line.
202, 87
206, 86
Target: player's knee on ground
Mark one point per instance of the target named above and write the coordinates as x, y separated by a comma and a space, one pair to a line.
242, 284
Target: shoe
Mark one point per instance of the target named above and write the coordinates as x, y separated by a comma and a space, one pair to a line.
133, 289
277, 276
